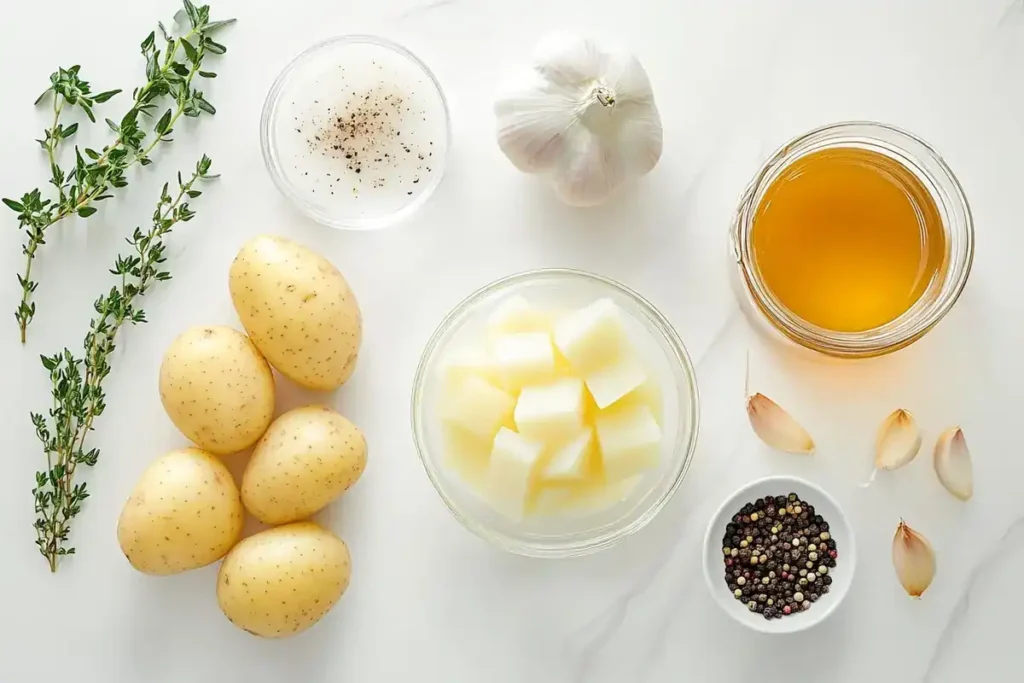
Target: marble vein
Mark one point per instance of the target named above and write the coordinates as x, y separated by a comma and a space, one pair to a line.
609, 623
1015, 8
992, 559
418, 10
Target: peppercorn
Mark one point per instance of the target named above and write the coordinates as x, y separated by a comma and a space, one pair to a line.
752, 540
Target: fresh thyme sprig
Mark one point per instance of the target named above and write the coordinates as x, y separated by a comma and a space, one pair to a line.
96, 174
78, 396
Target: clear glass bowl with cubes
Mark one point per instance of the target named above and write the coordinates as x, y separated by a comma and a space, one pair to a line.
555, 412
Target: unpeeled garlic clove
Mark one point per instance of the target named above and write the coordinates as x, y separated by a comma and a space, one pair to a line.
898, 441
776, 427
953, 463
914, 560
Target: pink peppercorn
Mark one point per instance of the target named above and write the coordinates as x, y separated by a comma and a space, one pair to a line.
787, 610
833, 554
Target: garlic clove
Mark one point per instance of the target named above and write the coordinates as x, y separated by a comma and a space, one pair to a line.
532, 133
776, 427
589, 172
898, 441
641, 141
914, 560
953, 463
568, 59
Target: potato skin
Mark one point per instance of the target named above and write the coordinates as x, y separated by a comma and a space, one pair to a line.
283, 580
298, 310
308, 457
184, 513
217, 389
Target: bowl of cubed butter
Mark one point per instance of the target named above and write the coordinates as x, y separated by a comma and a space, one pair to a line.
555, 412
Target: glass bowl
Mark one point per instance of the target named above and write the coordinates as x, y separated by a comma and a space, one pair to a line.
583, 532
311, 146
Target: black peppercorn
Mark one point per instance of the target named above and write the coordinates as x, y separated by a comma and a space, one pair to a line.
770, 581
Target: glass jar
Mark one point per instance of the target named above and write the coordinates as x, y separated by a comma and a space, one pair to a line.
920, 159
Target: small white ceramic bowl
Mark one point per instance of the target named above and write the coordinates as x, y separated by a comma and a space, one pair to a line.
839, 529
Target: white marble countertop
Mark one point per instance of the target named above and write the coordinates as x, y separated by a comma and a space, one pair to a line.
429, 601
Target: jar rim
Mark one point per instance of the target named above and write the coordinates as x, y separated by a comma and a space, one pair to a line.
925, 163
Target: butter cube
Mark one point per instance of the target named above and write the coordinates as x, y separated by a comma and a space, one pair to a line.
591, 338
478, 407
647, 394
611, 383
461, 364
515, 315
551, 413
467, 454
569, 462
522, 359
510, 473
630, 442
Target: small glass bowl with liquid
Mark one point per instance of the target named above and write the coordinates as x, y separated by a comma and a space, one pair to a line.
558, 536
853, 240
355, 132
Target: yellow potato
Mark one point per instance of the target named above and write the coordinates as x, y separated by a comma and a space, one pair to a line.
184, 513
307, 458
283, 580
298, 310
217, 389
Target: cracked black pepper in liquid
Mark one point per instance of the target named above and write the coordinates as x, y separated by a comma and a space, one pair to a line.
365, 128
779, 556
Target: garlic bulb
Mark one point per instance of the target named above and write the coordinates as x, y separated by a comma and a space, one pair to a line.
584, 115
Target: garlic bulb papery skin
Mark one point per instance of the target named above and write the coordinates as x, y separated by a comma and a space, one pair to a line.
584, 115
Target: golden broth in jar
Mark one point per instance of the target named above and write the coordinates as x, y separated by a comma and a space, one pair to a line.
847, 239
